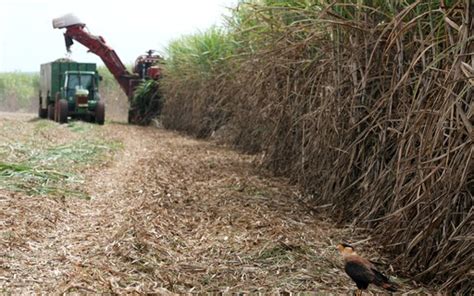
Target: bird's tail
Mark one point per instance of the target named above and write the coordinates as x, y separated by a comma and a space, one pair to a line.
392, 287
382, 281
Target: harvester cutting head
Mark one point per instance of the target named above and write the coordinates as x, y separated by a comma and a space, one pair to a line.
67, 21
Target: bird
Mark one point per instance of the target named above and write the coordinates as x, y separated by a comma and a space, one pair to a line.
362, 271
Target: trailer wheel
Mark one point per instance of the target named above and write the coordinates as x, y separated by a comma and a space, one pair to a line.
57, 97
62, 111
42, 113
100, 113
50, 112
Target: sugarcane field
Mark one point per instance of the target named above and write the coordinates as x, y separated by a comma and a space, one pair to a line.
269, 147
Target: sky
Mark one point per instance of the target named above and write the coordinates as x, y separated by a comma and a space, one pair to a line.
27, 37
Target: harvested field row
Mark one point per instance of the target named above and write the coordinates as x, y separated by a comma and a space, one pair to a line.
169, 214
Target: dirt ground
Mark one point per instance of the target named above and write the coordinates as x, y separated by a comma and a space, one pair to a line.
166, 214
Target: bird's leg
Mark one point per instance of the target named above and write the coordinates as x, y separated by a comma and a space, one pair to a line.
358, 292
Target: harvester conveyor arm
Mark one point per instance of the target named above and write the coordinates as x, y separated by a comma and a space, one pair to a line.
97, 45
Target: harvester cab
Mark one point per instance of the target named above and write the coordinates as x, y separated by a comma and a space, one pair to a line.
80, 87
146, 66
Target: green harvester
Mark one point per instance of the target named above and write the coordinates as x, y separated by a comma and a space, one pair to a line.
70, 90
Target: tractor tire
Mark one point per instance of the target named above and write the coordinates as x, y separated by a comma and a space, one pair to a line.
62, 111
50, 111
57, 97
100, 113
42, 113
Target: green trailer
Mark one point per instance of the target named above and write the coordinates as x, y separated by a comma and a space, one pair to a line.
70, 90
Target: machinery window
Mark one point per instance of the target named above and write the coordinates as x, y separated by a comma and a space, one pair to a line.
80, 81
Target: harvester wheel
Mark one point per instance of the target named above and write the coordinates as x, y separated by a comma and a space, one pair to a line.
100, 113
50, 112
63, 110
133, 116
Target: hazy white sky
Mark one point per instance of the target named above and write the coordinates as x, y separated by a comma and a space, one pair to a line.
27, 38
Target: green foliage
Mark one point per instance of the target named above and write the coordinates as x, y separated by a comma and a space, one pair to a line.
194, 62
108, 82
18, 90
43, 167
147, 102
199, 54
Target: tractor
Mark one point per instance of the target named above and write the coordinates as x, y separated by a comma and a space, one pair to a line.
70, 89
